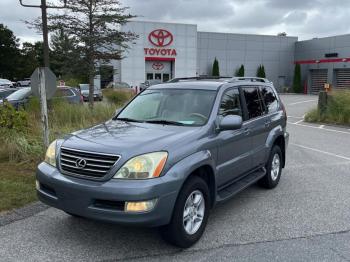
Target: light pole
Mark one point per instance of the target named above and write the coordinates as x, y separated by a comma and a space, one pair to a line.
43, 6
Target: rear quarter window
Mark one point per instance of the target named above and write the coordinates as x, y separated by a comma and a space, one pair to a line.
269, 98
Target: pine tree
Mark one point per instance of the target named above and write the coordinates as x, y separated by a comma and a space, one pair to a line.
240, 72
216, 70
297, 85
95, 26
261, 72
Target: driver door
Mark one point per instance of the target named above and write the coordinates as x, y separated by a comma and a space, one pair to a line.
234, 146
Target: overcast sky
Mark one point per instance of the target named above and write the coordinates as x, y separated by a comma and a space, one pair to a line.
303, 18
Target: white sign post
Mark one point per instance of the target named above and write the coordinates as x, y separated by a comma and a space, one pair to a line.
43, 106
43, 85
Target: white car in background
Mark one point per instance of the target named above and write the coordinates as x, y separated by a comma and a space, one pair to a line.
5, 83
24, 82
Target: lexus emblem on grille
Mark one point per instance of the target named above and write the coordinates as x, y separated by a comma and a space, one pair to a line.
80, 163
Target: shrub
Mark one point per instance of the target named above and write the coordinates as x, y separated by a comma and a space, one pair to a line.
24, 142
297, 85
337, 111
240, 71
117, 97
261, 72
216, 70
12, 119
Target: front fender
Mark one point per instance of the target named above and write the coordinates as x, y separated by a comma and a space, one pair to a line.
180, 171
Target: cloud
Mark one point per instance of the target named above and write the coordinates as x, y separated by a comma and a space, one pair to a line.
303, 18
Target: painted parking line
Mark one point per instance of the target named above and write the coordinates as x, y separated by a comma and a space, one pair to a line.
301, 102
322, 127
320, 151
297, 117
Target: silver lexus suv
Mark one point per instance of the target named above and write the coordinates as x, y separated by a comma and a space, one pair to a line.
170, 155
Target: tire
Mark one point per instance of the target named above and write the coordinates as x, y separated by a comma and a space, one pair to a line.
175, 232
273, 169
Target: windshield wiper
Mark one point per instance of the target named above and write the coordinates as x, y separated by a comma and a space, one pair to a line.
128, 119
165, 122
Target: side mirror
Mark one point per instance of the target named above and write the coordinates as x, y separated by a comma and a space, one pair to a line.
231, 122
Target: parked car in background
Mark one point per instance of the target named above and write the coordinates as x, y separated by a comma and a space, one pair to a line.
84, 90
121, 85
20, 98
4, 92
24, 82
149, 83
70, 94
5, 83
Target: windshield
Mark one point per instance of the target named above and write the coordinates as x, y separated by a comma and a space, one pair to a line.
170, 106
85, 87
20, 94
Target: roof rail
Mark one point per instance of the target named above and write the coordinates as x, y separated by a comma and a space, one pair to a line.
179, 79
252, 79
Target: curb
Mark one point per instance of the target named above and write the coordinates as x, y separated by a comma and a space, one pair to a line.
22, 213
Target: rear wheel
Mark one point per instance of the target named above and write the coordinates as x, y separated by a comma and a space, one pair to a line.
273, 169
190, 214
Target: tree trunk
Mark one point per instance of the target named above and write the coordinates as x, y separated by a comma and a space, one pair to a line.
91, 85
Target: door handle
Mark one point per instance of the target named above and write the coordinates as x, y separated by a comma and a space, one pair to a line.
267, 123
246, 131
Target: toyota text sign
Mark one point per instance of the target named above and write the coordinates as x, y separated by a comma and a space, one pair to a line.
161, 39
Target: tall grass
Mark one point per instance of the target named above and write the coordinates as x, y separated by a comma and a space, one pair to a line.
24, 143
337, 112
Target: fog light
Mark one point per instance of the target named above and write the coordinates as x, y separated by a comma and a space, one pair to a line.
142, 206
37, 185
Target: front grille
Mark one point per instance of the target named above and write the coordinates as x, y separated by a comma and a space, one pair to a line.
94, 165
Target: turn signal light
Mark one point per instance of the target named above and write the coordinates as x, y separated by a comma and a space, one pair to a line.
142, 206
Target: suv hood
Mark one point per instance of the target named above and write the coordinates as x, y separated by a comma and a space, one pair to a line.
119, 137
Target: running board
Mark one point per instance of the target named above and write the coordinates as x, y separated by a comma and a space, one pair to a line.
236, 187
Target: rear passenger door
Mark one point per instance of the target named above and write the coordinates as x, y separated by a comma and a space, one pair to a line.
256, 123
270, 120
234, 146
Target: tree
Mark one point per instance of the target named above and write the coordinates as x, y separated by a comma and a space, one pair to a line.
32, 56
9, 53
261, 72
95, 26
66, 58
216, 70
240, 72
297, 84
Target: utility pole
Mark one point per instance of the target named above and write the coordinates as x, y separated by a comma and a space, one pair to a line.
43, 6
41, 74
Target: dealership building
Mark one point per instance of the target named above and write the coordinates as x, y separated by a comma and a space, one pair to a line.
167, 50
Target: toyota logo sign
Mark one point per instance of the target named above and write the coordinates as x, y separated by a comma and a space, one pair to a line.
160, 37
157, 66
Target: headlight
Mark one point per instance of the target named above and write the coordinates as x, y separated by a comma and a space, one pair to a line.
143, 166
50, 156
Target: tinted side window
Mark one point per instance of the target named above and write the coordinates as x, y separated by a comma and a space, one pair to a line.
230, 103
254, 104
270, 99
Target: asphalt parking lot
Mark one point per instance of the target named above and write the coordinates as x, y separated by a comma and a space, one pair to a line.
306, 218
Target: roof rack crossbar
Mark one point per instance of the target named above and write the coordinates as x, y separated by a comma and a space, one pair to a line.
178, 79
252, 79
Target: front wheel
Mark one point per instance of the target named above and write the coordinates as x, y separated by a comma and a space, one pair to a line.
273, 169
190, 214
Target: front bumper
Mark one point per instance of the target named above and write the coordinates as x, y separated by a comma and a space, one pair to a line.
84, 197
